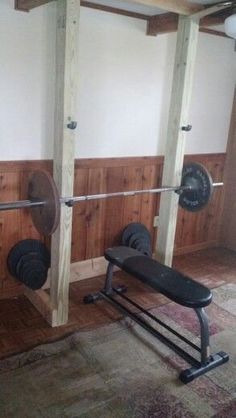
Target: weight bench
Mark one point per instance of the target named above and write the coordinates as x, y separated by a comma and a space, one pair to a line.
175, 286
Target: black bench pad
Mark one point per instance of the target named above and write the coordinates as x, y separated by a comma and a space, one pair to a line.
171, 283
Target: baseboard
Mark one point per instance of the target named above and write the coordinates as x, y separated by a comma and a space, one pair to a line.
196, 247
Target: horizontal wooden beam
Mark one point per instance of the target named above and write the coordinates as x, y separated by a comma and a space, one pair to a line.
177, 6
158, 24
27, 5
168, 22
183, 7
214, 32
114, 10
41, 301
213, 9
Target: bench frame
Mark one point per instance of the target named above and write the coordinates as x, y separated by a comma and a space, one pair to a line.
207, 361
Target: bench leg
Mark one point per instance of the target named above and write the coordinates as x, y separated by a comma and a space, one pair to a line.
204, 327
108, 289
108, 281
208, 361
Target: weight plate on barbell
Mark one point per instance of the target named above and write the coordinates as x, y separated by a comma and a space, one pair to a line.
42, 188
199, 179
134, 228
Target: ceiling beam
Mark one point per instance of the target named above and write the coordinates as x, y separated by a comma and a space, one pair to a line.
214, 32
213, 9
158, 24
168, 22
27, 5
183, 7
114, 10
176, 6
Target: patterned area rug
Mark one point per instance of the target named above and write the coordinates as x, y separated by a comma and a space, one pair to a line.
120, 371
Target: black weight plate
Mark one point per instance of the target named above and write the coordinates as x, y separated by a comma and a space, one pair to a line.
197, 177
33, 275
140, 243
132, 228
28, 257
144, 249
22, 248
138, 237
35, 280
31, 265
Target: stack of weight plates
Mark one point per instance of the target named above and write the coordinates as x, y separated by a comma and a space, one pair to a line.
29, 261
137, 236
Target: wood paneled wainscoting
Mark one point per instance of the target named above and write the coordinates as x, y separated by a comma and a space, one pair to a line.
99, 224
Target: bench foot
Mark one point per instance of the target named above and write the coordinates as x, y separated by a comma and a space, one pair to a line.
188, 375
93, 297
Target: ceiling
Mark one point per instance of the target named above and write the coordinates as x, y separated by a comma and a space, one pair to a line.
139, 8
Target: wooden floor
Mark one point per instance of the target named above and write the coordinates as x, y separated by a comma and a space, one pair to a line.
22, 327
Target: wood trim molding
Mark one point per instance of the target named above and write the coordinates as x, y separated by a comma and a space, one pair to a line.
31, 165
196, 247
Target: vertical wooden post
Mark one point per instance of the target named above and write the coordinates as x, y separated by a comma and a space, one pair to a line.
175, 144
63, 165
228, 224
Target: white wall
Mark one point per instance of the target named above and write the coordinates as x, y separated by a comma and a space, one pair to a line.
27, 54
124, 86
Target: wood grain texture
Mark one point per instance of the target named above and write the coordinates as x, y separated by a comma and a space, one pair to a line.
168, 22
64, 146
177, 6
185, 58
194, 231
182, 7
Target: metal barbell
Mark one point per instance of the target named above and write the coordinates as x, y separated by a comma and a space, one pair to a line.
44, 201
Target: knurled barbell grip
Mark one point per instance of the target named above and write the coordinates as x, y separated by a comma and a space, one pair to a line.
70, 201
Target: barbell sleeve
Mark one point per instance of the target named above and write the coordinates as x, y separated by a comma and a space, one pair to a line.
20, 204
